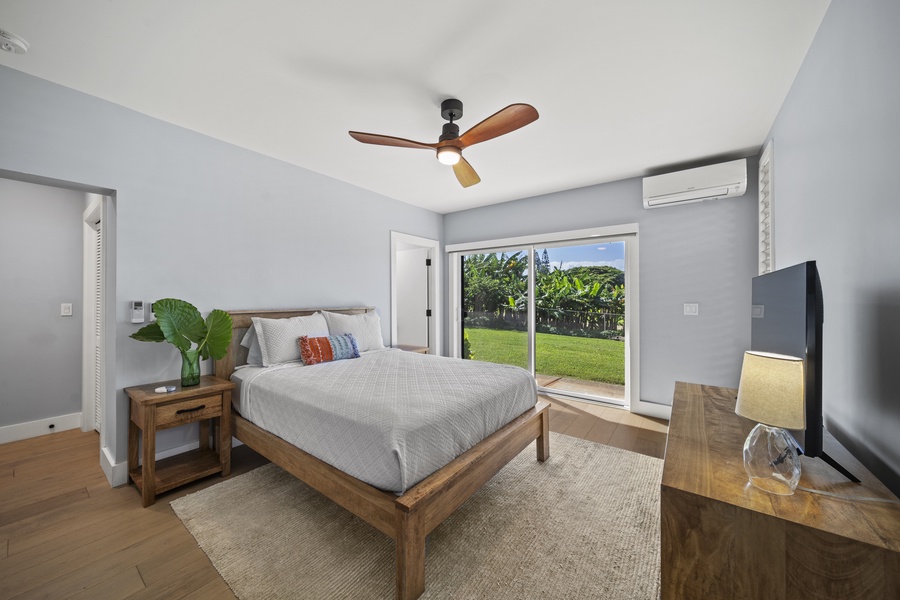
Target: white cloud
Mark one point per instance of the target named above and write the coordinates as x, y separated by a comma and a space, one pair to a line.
619, 264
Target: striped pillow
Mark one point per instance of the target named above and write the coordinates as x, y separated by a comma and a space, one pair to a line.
314, 350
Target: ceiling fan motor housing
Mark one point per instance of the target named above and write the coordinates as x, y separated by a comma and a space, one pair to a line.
450, 132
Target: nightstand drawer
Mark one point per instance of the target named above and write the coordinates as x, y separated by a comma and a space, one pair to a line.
187, 411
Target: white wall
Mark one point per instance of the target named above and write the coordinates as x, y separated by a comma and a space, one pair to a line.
836, 201
40, 268
202, 220
700, 253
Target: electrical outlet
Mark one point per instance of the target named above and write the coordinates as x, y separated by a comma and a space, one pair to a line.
65, 309
691, 309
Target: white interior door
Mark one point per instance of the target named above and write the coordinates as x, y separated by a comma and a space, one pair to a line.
412, 297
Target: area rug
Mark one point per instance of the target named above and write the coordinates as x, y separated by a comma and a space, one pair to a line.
584, 524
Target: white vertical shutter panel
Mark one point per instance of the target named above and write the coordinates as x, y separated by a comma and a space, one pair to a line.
97, 329
766, 245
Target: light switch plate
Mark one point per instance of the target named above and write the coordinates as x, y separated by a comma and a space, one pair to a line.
691, 309
65, 309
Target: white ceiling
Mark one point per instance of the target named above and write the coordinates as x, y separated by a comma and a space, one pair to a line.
622, 88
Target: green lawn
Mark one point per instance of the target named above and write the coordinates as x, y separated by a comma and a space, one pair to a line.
587, 359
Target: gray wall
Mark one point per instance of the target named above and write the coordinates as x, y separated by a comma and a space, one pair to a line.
40, 267
837, 201
202, 220
703, 252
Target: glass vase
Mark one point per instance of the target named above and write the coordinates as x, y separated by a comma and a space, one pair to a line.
190, 368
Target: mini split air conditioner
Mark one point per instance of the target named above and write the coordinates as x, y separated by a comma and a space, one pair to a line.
725, 180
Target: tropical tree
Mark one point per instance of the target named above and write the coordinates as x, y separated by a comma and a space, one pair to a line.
491, 279
581, 297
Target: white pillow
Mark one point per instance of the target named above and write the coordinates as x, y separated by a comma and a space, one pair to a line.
278, 338
251, 343
366, 328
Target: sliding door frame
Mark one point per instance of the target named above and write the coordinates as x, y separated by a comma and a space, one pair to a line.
626, 232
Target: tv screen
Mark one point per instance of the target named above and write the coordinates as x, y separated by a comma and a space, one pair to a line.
787, 319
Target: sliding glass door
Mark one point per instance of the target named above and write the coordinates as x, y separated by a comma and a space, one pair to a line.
557, 310
579, 303
495, 307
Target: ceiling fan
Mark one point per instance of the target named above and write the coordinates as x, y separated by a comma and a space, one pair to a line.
450, 145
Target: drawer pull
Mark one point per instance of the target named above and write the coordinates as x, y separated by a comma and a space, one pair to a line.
187, 410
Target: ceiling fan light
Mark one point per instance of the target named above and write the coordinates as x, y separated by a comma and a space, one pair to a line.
448, 155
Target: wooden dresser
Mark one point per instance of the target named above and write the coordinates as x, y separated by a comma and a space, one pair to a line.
722, 538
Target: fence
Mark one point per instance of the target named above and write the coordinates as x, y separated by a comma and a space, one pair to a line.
566, 322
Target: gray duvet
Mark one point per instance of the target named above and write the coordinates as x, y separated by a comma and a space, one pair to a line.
388, 418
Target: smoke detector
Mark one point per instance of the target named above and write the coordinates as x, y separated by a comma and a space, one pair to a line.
10, 42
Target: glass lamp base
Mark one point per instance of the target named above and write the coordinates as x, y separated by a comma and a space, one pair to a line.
771, 460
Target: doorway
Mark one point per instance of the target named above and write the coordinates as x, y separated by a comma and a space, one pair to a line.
91, 207
415, 292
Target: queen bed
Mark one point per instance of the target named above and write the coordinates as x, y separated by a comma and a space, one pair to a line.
398, 439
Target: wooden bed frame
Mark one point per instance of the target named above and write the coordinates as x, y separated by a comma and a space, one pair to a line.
409, 518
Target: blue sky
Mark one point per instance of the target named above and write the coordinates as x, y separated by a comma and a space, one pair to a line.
612, 254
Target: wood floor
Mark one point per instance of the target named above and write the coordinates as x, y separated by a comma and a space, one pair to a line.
608, 425
64, 533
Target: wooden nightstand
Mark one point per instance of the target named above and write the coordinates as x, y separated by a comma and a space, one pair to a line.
411, 348
208, 402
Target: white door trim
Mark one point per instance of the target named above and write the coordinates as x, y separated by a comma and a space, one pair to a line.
434, 253
575, 236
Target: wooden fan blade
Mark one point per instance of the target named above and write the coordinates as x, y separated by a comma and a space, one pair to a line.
465, 173
386, 140
500, 123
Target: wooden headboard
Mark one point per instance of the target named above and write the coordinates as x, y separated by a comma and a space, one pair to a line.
241, 320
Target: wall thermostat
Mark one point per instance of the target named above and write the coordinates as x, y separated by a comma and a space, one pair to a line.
137, 311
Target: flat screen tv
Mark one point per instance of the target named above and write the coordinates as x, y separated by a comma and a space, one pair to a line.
786, 318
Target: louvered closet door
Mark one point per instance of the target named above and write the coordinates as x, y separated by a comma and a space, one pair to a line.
96, 324
766, 208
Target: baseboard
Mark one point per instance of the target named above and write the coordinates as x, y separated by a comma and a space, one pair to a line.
177, 450
652, 409
23, 431
188, 447
117, 473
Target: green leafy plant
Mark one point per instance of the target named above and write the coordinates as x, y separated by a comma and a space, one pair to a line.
467, 347
180, 323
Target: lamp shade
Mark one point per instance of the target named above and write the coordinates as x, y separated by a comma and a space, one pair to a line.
771, 390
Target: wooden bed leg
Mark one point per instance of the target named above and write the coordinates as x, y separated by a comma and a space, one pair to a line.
410, 557
543, 440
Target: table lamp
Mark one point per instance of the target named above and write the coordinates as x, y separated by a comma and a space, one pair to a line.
771, 393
